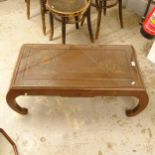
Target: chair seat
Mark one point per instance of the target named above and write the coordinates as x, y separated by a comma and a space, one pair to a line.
66, 7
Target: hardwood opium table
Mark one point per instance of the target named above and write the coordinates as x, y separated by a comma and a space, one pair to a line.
77, 71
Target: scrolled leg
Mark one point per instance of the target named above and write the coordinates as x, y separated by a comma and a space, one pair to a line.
11, 100
143, 102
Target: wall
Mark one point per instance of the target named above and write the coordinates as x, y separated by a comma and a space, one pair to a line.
138, 6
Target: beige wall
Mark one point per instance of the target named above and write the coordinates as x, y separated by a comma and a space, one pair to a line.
137, 6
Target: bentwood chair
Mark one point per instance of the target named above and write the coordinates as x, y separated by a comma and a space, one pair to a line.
69, 12
103, 5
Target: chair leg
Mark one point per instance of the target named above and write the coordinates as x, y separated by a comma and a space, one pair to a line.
83, 20
63, 30
77, 22
51, 26
97, 4
89, 25
43, 10
120, 13
28, 8
99, 19
104, 6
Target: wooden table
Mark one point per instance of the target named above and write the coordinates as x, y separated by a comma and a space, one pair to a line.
77, 70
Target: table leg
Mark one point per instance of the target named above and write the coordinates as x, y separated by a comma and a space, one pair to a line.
143, 102
11, 100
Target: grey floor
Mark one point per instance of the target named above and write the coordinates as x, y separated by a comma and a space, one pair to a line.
74, 126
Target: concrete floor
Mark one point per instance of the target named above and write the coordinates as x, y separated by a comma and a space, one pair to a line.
74, 126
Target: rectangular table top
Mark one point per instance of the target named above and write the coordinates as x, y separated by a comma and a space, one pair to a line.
77, 67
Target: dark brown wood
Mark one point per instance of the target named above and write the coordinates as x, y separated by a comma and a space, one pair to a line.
102, 4
43, 12
77, 70
105, 6
83, 19
99, 19
9, 140
51, 25
120, 12
89, 25
96, 4
28, 8
68, 7
63, 30
70, 12
77, 22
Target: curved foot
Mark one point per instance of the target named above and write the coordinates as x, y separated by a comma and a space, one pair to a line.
143, 101
11, 100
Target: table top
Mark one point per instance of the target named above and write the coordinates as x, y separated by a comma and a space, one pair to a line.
68, 6
77, 67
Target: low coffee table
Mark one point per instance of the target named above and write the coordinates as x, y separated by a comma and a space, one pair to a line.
77, 70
